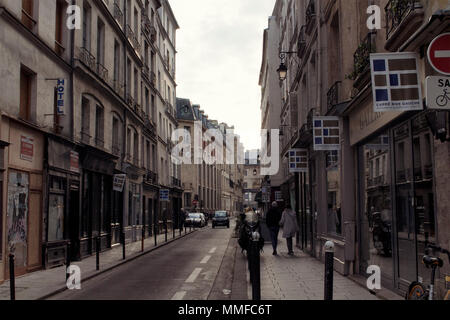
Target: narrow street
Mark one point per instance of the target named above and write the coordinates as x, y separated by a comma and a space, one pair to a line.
185, 270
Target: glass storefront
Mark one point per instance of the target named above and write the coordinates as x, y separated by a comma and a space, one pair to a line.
376, 206
334, 216
397, 210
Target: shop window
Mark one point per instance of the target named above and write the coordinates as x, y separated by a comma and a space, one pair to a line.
334, 215
376, 206
26, 100
55, 217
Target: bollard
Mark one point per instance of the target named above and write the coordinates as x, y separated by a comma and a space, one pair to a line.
173, 230
97, 253
155, 233
165, 227
68, 261
12, 279
143, 238
255, 267
329, 269
123, 244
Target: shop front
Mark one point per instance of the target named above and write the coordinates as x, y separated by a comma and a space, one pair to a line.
396, 192
133, 214
22, 196
97, 200
62, 205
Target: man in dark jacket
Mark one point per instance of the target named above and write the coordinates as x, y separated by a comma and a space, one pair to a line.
273, 218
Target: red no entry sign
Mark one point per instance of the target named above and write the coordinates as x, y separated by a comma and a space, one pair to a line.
439, 53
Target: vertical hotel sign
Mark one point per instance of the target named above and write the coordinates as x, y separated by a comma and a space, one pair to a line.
395, 82
26, 148
326, 133
60, 92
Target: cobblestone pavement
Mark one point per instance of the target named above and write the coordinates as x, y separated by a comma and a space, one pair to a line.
39, 284
301, 277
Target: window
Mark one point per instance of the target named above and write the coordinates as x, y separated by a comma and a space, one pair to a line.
136, 149
136, 22
26, 85
27, 13
100, 42
148, 167
128, 144
147, 102
154, 158
136, 85
85, 119
128, 77
153, 107
115, 136
116, 62
86, 26
59, 26
99, 126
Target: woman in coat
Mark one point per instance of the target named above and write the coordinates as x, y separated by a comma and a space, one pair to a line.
290, 227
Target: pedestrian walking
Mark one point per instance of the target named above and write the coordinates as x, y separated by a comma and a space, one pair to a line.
290, 227
273, 218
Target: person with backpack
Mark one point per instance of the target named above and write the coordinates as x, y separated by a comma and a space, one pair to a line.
273, 218
290, 227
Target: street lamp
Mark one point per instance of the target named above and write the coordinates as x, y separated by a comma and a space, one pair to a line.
282, 70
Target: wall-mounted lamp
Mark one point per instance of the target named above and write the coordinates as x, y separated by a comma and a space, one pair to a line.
282, 70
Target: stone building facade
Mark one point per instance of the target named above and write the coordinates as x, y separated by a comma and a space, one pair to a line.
85, 129
390, 168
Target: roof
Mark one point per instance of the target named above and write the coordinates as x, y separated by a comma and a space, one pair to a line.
185, 110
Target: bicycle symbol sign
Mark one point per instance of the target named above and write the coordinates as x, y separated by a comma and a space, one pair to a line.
438, 93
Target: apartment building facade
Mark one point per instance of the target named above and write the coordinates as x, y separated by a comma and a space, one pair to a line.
208, 187
80, 138
390, 167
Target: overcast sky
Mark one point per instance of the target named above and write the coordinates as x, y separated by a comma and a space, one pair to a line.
219, 46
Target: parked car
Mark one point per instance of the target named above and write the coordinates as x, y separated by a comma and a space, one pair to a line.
195, 220
221, 218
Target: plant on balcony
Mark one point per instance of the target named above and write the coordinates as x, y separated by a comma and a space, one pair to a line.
362, 60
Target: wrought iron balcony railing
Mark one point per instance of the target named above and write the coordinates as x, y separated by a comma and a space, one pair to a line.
176, 182
132, 37
102, 72
151, 177
333, 95
86, 58
130, 100
118, 14
396, 11
361, 57
310, 15
146, 71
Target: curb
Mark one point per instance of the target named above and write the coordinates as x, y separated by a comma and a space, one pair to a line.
122, 262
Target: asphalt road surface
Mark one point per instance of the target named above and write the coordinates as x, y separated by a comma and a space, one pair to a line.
183, 270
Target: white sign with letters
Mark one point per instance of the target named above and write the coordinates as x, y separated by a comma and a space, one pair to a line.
438, 93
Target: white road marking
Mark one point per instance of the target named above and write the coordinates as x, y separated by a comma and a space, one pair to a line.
442, 54
179, 295
205, 260
194, 275
213, 250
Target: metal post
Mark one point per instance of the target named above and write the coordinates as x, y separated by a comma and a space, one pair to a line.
255, 267
165, 227
68, 261
123, 244
155, 233
329, 269
97, 249
12, 279
143, 238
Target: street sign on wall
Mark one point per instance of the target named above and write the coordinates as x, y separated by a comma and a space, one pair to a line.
119, 182
164, 195
326, 133
438, 93
74, 161
60, 92
395, 82
26, 148
439, 53
298, 160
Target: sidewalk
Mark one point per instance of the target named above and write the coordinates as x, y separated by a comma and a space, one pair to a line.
42, 284
301, 277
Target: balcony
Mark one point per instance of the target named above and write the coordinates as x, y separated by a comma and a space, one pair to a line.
176, 182
310, 16
118, 14
130, 101
151, 177
138, 109
361, 66
132, 38
301, 47
86, 58
152, 79
403, 18
102, 72
333, 95
118, 87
